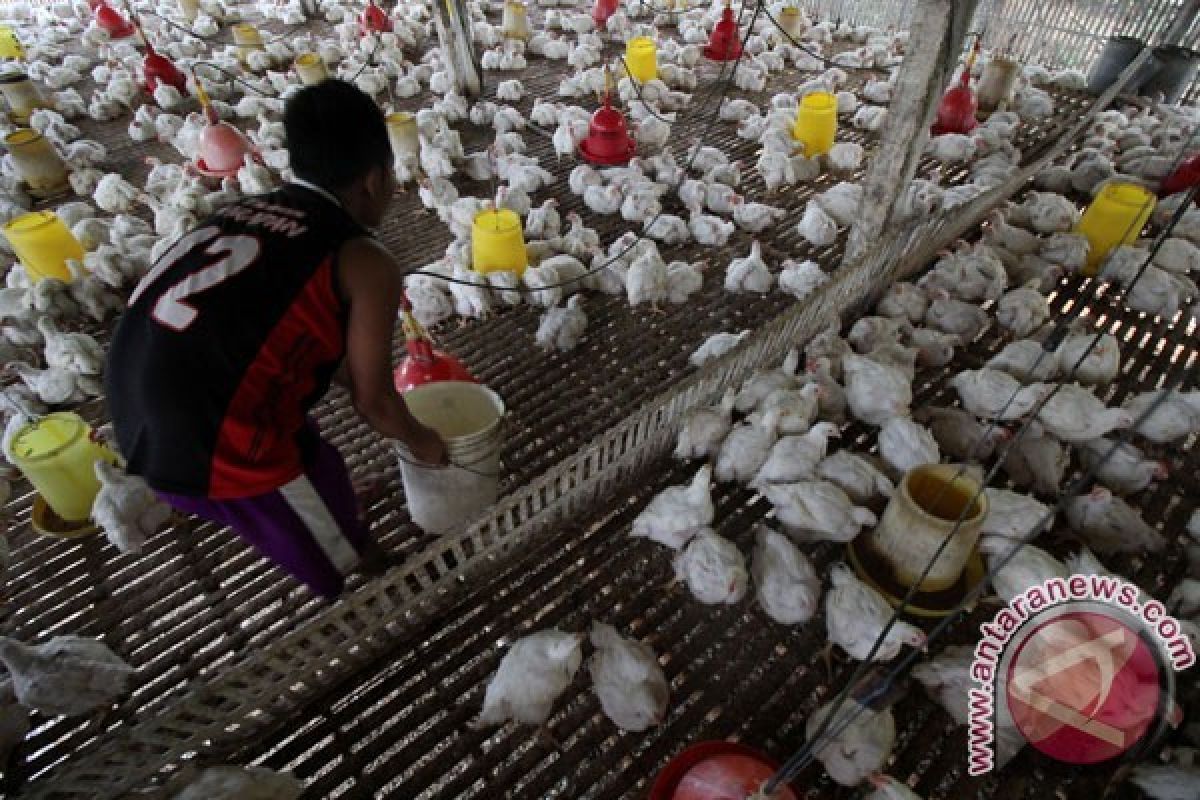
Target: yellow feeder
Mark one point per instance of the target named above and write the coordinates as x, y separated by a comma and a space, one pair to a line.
43, 244
22, 96
514, 23
247, 39
498, 243
38, 163
10, 45
816, 123
402, 133
311, 69
1115, 217
56, 453
793, 22
641, 56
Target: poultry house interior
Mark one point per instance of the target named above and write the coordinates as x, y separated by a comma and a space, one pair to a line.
750, 317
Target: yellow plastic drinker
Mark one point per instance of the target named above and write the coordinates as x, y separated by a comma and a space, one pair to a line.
311, 69
498, 243
816, 123
1115, 217
37, 162
641, 56
57, 454
43, 244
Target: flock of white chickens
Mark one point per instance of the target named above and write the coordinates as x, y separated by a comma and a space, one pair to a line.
776, 434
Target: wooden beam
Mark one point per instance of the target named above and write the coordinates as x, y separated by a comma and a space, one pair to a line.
935, 42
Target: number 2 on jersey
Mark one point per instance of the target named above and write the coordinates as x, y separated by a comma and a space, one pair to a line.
235, 254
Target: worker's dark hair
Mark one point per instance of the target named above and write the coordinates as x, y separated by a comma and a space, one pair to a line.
335, 134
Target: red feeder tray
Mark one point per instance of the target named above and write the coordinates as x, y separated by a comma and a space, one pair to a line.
1185, 176
608, 141
717, 770
725, 44
424, 364
956, 112
374, 20
158, 69
111, 21
602, 11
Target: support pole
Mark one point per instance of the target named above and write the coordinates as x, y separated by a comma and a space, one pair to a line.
453, 19
939, 28
1183, 22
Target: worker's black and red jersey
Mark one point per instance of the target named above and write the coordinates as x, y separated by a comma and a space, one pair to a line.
228, 342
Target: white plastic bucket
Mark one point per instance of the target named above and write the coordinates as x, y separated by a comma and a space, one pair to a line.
469, 418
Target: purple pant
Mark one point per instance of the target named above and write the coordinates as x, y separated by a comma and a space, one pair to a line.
310, 526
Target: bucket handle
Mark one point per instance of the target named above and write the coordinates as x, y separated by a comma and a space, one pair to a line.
464, 467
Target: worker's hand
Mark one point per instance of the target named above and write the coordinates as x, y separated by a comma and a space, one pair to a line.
427, 447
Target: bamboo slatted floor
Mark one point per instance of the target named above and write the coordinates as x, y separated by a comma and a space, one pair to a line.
197, 600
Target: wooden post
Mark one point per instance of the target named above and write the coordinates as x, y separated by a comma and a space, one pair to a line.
936, 40
453, 20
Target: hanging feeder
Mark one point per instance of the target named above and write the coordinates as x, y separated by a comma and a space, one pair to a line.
956, 111
725, 44
424, 364
602, 10
1184, 177
717, 770
608, 141
157, 69
111, 21
374, 20
223, 148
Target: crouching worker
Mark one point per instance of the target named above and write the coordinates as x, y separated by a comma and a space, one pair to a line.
236, 332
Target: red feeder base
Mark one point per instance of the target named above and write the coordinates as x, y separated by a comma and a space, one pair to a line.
608, 141
158, 70
424, 365
602, 11
374, 20
956, 112
111, 21
716, 770
725, 44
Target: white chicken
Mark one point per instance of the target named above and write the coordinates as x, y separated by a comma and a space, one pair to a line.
1108, 524
1036, 461
1031, 566
562, 328
991, 394
904, 301
1089, 359
1022, 311
1026, 360
678, 513
1120, 466
532, 674
817, 511
959, 434
715, 346
713, 569
801, 278
627, 680
704, 429
855, 615
126, 509
785, 583
1073, 414
862, 747
66, 675
861, 480
746, 448
750, 273
904, 444
875, 392
1164, 419
795, 458
1014, 514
